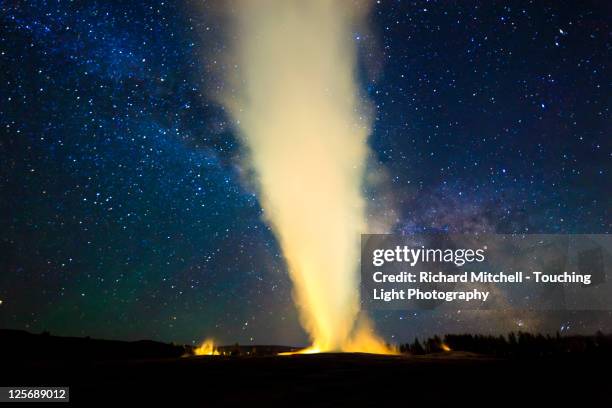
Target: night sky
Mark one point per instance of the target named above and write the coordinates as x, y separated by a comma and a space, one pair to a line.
124, 211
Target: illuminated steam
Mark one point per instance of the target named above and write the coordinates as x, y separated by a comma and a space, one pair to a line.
207, 348
292, 91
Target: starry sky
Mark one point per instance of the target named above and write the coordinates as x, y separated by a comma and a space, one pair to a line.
123, 207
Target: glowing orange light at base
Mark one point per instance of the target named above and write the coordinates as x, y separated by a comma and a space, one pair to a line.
207, 348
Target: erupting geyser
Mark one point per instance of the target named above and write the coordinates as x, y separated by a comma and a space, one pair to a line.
293, 93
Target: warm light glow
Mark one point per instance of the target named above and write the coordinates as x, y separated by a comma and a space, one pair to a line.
292, 92
446, 348
307, 350
207, 348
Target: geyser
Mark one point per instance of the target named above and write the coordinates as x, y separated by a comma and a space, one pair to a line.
293, 93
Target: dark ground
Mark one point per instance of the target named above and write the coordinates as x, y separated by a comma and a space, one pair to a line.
329, 380
323, 380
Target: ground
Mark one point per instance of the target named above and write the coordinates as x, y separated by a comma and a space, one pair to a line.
329, 380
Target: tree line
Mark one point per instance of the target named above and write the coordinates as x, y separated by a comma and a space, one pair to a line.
513, 344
